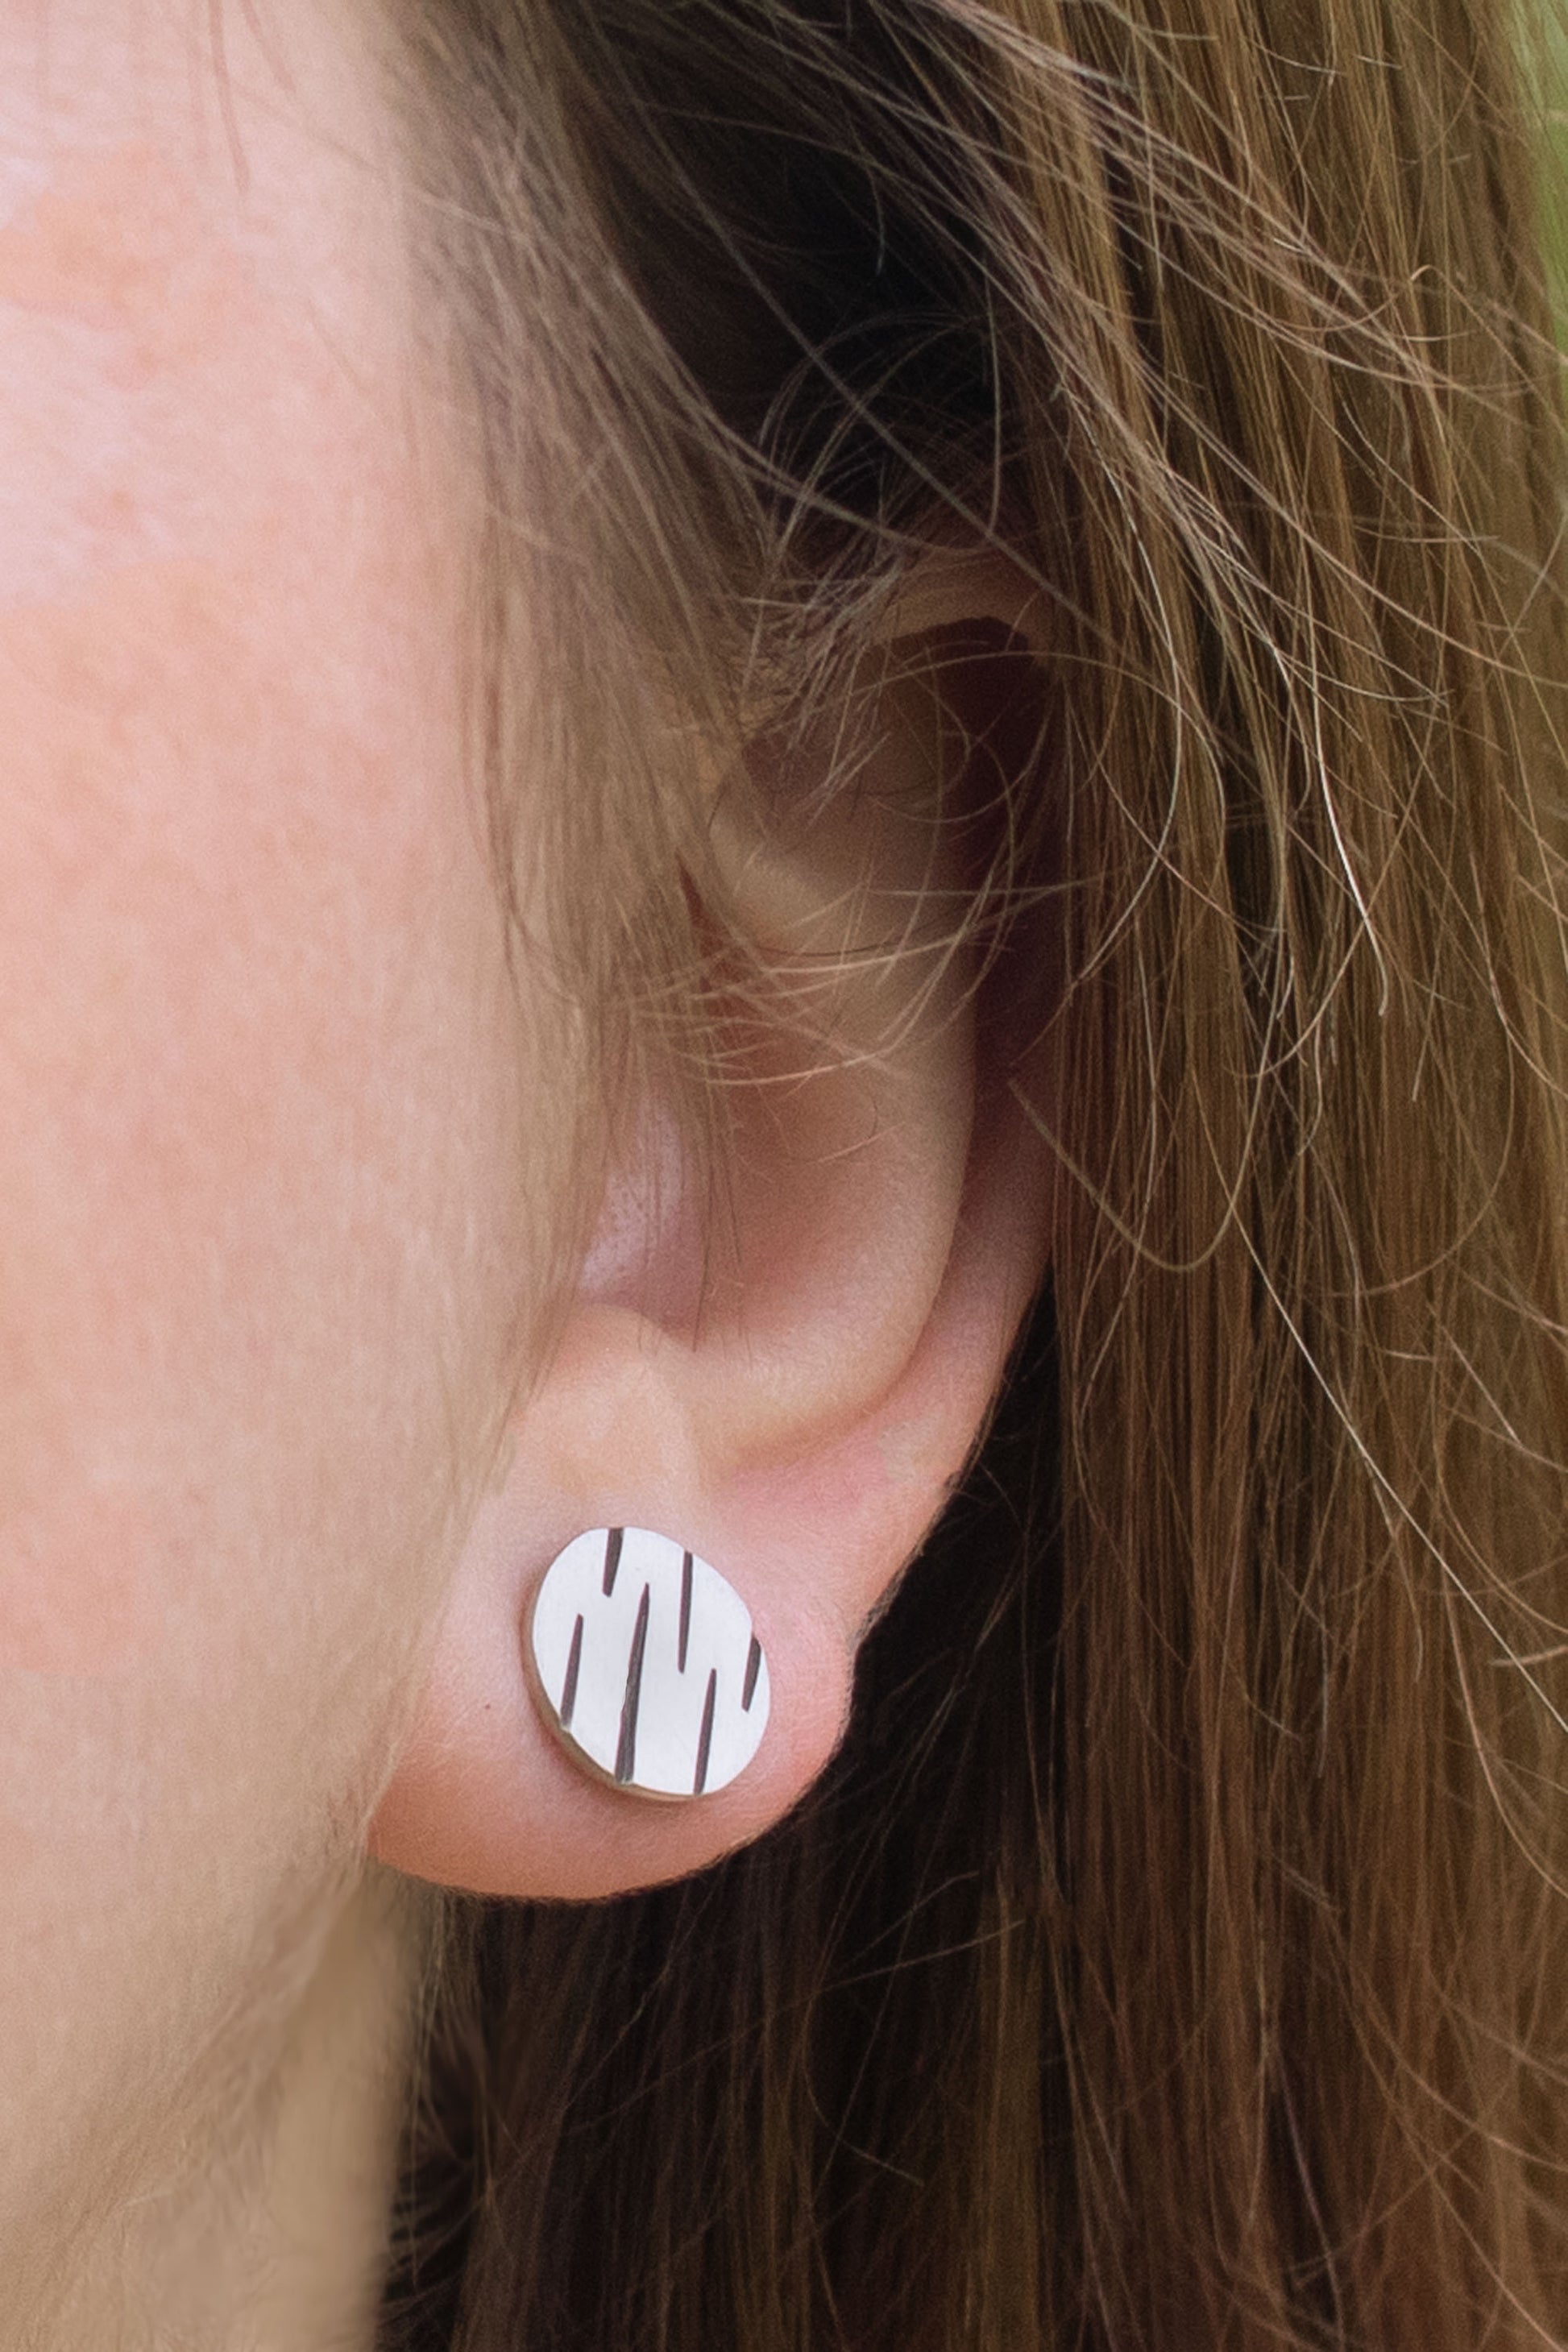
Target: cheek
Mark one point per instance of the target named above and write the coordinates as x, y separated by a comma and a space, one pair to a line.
244, 928
264, 1246
74, 1600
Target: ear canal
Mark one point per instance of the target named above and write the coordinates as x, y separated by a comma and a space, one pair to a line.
646, 1665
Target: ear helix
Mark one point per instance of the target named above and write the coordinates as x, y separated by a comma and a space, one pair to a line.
646, 1665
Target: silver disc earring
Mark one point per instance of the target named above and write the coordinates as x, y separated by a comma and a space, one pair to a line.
646, 1665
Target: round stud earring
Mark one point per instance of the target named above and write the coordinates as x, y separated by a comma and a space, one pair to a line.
646, 1666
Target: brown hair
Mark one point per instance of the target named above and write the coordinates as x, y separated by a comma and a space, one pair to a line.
1176, 1954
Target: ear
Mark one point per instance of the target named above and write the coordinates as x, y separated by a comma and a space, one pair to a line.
785, 1369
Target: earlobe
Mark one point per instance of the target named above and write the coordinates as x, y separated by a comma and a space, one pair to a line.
487, 1795
797, 1427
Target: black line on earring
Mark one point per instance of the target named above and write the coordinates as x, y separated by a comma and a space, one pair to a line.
685, 1610
574, 1666
753, 1668
614, 1539
626, 1753
705, 1744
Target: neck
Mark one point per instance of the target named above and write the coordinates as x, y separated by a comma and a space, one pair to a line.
271, 2235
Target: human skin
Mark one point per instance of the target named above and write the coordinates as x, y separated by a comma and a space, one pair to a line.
265, 1253
302, 1390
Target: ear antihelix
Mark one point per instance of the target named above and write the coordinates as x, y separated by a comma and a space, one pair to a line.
646, 1665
